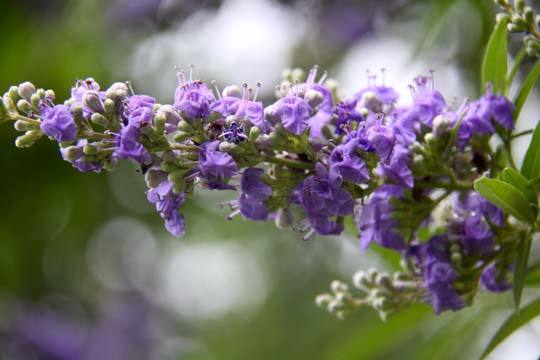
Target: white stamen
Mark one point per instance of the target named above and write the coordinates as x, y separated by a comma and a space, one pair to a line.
216, 89
323, 77
256, 91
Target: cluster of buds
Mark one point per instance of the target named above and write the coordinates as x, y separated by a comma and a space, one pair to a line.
522, 19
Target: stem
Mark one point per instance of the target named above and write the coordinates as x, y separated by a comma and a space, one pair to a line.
452, 186
289, 163
522, 133
184, 147
92, 135
27, 119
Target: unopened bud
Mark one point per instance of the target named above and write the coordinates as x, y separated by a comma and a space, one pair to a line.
314, 98
519, 5
24, 106
117, 91
90, 149
9, 105
170, 114
100, 120
26, 89
337, 286
384, 281
28, 139
502, 17
441, 124
185, 127
181, 136
73, 153
254, 133
323, 300
232, 90
283, 219
92, 100
226, 146
529, 15
177, 176
35, 100
297, 74
361, 281
21, 125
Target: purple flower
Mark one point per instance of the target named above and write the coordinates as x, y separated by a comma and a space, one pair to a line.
382, 139
294, 113
76, 156
427, 102
216, 166
82, 87
128, 145
386, 95
474, 203
345, 112
234, 134
254, 192
242, 108
193, 98
396, 168
322, 197
376, 222
477, 239
494, 281
57, 122
167, 204
345, 161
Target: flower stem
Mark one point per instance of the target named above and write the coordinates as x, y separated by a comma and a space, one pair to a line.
289, 163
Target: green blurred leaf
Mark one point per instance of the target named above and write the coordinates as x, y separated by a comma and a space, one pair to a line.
494, 65
514, 178
505, 196
522, 258
513, 322
434, 21
531, 163
517, 62
525, 90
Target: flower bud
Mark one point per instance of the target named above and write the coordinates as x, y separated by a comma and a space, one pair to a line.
13, 93
28, 139
314, 98
502, 17
100, 120
181, 136
441, 124
185, 127
35, 100
177, 176
370, 100
269, 115
338, 286
26, 89
226, 146
154, 177
49, 94
21, 125
361, 281
232, 90
117, 91
92, 101
73, 153
297, 74
254, 133
231, 119
170, 114
24, 106
323, 300
90, 149
384, 281
9, 104
283, 219
519, 5
529, 15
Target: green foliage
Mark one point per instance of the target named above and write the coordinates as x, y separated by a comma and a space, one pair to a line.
507, 197
531, 163
494, 66
525, 90
513, 322
522, 259
514, 178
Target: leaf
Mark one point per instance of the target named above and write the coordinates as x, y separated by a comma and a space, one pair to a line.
517, 62
517, 319
525, 90
531, 163
522, 259
505, 196
434, 21
514, 178
494, 65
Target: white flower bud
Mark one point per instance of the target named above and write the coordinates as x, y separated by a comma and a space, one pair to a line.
314, 98
26, 89
92, 100
232, 90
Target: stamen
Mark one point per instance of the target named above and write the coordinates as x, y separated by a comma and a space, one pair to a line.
256, 91
233, 214
432, 79
130, 87
191, 66
308, 235
245, 92
216, 89
383, 75
180, 74
323, 77
296, 84
312, 74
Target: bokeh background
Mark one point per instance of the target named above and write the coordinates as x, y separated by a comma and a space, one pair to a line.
87, 270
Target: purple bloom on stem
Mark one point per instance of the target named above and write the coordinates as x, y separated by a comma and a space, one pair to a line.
386, 95
128, 145
294, 113
477, 239
376, 221
76, 156
397, 167
345, 162
82, 87
193, 98
345, 112
215, 165
57, 122
382, 139
167, 204
492, 281
254, 192
323, 197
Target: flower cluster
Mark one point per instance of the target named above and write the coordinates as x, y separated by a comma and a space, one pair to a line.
401, 169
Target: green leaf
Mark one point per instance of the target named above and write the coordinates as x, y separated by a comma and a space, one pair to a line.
513, 322
507, 197
514, 178
494, 66
522, 259
531, 163
525, 90
517, 62
435, 20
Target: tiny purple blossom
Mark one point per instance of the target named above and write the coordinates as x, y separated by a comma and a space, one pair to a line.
294, 113
254, 192
58, 122
167, 204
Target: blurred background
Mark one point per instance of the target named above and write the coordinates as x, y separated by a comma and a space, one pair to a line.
87, 270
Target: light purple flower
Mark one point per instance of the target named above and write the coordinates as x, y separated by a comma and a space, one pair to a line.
294, 113
78, 158
168, 204
493, 280
193, 98
216, 166
254, 192
345, 161
57, 122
